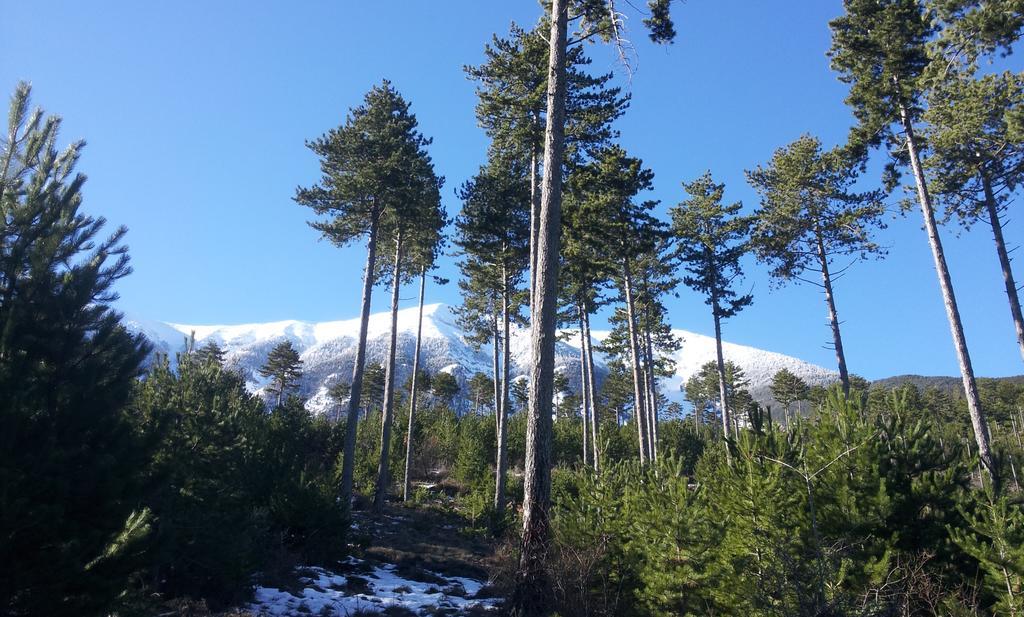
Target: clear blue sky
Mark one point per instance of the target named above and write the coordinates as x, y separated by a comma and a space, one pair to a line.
196, 114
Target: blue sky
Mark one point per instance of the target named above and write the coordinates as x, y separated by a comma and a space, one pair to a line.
196, 115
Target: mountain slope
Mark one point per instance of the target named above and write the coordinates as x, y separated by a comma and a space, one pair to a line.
327, 350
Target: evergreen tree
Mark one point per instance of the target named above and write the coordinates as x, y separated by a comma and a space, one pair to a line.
493, 235
418, 222
656, 278
371, 166
703, 389
530, 597
809, 217
373, 387
445, 387
605, 190
512, 105
712, 238
425, 257
975, 128
881, 50
212, 352
994, 535
788, 388
283, 368
69, 458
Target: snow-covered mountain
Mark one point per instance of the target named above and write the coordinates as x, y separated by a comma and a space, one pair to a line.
328, 352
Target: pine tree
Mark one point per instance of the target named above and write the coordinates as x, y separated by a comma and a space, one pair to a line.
70, 458
418, 222
445, 387
809, 217
787, 388
530, 597
605, 190
880, 49
211, 352
703, 389
712, 238
656, 278
975, 128
373, 387
512, 105
371, 166
427, 249
994, 535
512, 93
493, 235
283, 368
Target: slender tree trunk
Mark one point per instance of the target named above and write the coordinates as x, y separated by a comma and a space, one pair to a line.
645, 391
415, 384
383, 479
978, 421
584, 403
720, 358
833, 316
352, 419
652, 393
496, 367
591, 393
531, 595
534, 223
506, 353
634, 353
1004, 260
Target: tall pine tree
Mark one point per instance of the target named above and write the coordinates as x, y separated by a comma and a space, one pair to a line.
975, 128
530, 595
283, 368
493, 230
880, 48
711, 239
809, 217
371, 166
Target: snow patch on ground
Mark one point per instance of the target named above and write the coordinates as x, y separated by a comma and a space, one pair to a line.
322, 592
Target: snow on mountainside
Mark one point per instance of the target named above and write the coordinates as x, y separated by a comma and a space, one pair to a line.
328, 352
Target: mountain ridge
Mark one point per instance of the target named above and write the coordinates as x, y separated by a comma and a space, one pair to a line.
328, 351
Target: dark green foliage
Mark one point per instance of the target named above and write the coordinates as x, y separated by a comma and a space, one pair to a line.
480, 390
808, 213
232, 485
995, 537
878, 47
702, 389
711, 237
976, 134
475, 452
70, 506
375, 165
829, 517
444, 386
373, 388
976, 28
512, 93
283, 368
787, 389
210, 352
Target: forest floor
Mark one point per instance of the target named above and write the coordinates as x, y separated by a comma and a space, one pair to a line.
422, 559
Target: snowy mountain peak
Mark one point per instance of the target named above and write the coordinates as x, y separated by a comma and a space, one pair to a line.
327, 350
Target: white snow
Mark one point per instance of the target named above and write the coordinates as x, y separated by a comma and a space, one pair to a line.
327, 350
325, 592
